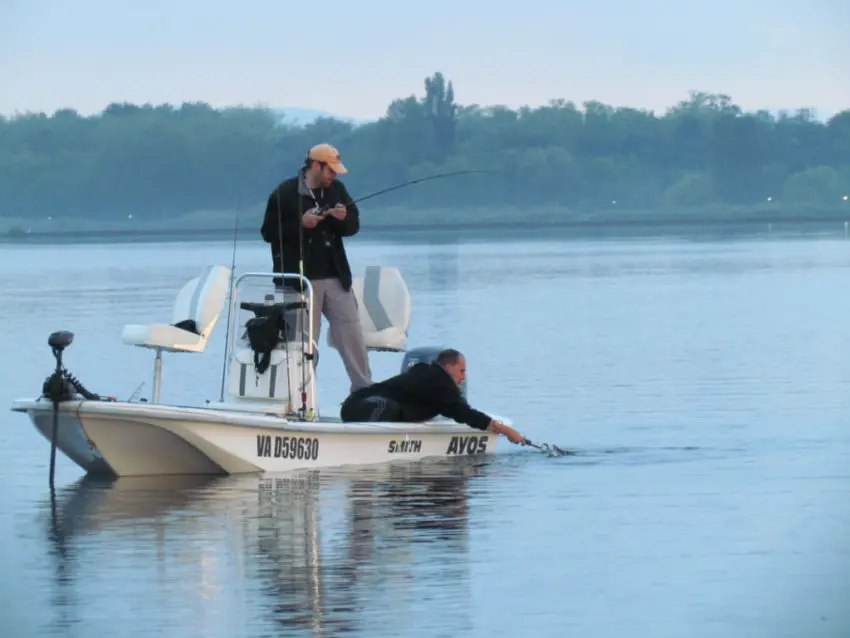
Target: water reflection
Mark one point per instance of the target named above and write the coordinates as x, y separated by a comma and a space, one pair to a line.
443, 280
444, 264
314, 553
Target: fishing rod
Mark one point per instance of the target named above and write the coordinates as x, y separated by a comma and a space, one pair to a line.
417, 180
324, 209
230, 289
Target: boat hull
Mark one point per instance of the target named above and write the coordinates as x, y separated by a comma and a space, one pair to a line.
135, 439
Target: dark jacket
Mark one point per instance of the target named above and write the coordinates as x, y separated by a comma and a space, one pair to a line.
287, 195
423, 391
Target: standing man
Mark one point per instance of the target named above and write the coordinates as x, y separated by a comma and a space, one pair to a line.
294, 224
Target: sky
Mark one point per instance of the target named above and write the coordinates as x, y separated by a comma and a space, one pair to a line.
352, 58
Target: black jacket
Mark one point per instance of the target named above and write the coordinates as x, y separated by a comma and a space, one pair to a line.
423, 391
287, 196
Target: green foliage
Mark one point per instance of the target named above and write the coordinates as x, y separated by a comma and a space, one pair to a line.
161, 162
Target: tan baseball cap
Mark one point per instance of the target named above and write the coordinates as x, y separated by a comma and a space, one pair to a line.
329, 155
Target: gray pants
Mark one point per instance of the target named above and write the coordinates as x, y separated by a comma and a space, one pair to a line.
340, 308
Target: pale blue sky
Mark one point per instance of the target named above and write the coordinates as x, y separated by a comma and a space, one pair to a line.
353, 57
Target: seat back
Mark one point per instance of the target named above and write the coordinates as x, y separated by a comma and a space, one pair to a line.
384, 307
385, 299
201, 300
279, 383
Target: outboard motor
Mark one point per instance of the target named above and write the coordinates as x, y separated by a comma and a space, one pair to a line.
425, 354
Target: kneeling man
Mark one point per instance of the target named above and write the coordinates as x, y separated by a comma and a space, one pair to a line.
420, 393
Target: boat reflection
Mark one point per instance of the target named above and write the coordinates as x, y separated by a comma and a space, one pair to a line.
322, 551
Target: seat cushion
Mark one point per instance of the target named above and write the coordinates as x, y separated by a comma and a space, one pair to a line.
160, 335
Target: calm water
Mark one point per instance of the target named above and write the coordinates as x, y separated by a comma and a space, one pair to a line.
706, 386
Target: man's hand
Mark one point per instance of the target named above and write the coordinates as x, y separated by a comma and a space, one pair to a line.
310, 219
512, 435
339, 211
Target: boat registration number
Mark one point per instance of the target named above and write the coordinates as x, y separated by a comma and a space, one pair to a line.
288, 447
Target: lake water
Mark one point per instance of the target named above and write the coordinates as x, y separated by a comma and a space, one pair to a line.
705, 385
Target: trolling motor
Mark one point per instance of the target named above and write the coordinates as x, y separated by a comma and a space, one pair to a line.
57, 387
62, 386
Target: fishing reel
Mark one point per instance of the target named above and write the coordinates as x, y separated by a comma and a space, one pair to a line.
321, 210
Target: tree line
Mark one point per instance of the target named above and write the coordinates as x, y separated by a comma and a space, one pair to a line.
157, 162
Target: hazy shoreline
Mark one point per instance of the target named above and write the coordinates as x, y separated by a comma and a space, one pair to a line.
206, 226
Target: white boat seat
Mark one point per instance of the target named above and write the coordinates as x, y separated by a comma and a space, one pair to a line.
384, 306
196, 311
162, 335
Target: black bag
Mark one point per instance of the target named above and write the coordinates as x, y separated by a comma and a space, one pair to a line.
264, 334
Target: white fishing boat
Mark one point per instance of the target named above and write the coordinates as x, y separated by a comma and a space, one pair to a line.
267, 418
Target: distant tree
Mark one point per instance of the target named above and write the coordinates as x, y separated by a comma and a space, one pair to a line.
440, 110
161, 161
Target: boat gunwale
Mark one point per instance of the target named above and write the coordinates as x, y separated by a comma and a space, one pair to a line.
238, 417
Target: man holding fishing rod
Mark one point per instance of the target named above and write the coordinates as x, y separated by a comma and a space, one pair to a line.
306, 218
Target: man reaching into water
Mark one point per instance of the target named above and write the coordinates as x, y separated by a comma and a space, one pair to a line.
420, 393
